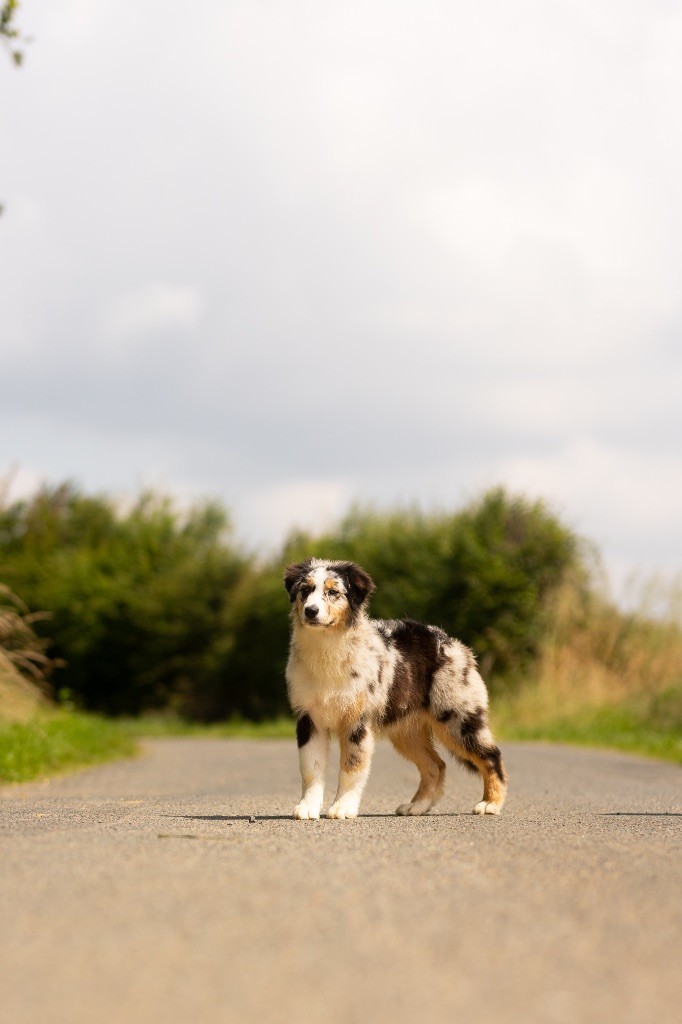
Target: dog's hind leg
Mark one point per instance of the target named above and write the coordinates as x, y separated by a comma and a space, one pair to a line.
417, 746
469, 738
357, 746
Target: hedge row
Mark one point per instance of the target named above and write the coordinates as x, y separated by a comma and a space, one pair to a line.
154, 609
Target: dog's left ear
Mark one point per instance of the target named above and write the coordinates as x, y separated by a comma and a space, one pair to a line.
294, 575
359, 584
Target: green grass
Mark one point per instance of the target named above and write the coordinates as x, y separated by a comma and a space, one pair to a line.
235, 728
58, 742
652, 728
54, 742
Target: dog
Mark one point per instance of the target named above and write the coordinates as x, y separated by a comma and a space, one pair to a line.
361, 678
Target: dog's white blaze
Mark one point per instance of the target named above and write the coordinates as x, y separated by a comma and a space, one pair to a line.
318, 598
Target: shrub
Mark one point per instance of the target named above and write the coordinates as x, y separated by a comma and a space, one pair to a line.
484, 574
153, 609
138, 597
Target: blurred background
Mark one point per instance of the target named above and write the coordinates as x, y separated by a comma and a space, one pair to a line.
290, 277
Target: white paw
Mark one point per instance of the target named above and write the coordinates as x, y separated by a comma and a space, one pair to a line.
343, 809
304, 812
416, 807
485, 807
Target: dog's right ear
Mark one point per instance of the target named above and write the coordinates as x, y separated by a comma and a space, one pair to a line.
294, 575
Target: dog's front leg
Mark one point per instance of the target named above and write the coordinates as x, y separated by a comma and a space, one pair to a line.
357, 747
313, 748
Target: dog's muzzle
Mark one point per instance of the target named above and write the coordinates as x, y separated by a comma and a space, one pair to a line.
311, 612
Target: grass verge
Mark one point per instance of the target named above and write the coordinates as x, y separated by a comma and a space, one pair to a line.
651, 727
235, 728
60, 741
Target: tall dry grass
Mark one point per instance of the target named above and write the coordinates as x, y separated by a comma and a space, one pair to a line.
596, 656
25, 668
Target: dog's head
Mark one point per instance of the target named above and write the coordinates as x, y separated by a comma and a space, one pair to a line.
327, 594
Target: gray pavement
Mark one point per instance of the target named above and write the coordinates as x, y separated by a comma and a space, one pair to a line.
142, 891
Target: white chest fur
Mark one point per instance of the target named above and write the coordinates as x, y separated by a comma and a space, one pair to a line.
328, 675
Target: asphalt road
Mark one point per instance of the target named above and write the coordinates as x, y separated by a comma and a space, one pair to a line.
142, 892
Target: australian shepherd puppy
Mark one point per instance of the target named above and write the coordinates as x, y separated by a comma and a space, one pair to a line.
360, 678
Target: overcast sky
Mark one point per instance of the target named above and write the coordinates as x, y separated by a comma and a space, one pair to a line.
294, 254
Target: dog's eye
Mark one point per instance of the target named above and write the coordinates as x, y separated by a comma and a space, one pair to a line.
333, 593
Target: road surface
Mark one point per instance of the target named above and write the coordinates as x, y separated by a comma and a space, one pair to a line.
143, 891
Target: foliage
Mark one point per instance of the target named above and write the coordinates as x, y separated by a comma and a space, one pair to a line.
54, 741
138, 598
635, 725
58, 742
603, 677
154, 609
255, 659
484, 574
158, 612
9, 33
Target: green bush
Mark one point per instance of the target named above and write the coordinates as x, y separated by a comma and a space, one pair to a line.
483, 574
152, 609
138, 599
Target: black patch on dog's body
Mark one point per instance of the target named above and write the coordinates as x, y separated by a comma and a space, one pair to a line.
358, 734
384, 632
420, 649
471, 725
494, 759
470, 730
304, 730
352, 761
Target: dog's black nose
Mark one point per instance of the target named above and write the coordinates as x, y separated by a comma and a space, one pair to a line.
311, 611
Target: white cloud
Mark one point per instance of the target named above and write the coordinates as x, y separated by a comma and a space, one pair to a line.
153, 308
267, 515
620, 493
18, 482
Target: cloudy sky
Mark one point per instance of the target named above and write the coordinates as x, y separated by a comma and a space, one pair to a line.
294, 254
